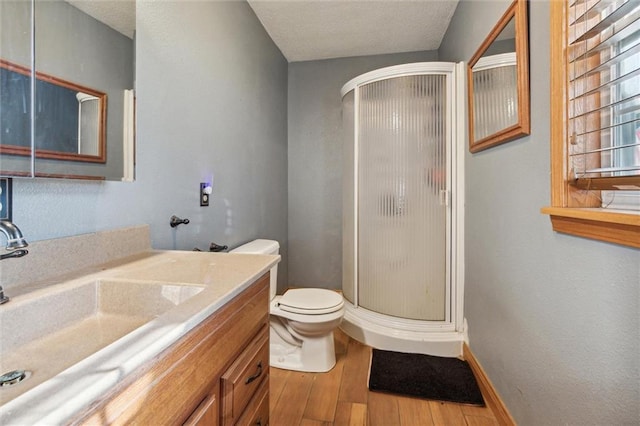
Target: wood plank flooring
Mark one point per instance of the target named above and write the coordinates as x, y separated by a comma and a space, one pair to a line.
341, 398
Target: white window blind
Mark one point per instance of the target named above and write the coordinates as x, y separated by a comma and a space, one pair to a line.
603, 56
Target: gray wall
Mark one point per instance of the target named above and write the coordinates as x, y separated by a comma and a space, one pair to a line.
211, 102
553, 319
315, 163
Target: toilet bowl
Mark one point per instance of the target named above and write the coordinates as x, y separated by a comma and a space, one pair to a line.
301, 320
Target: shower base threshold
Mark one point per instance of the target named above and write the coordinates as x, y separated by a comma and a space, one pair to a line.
400, 335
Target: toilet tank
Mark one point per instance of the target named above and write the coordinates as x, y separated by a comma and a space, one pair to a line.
262, 247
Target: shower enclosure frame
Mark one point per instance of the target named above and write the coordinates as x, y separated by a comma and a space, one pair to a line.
441, 338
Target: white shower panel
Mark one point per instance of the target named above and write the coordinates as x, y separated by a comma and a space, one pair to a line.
348, 197
401, 221
400, 179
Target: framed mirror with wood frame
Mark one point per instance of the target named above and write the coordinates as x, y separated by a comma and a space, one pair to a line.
498, 82
70, 120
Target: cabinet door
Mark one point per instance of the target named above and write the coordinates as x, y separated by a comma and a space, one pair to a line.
206, 414
241, 381
257, 411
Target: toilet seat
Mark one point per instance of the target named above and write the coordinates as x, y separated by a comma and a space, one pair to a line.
310, 301
301, 322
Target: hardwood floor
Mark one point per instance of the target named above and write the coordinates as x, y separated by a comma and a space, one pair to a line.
341, 397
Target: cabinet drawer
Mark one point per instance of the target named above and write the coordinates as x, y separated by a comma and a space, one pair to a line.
257, 412
206, 414
242, 379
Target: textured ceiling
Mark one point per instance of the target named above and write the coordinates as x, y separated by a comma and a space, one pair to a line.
320, 29
118, 14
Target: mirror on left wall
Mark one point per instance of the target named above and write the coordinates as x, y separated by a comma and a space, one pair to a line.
78, 50
15, 47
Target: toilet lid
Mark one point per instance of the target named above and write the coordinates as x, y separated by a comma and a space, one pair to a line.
310, 301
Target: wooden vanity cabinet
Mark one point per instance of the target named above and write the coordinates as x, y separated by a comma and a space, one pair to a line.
217, 374
243, 378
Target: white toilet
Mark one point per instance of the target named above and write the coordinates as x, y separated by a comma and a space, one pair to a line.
302, 320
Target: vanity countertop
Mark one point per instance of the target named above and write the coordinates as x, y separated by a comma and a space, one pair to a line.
55, 397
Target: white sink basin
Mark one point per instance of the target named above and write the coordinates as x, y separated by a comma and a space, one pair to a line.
53, 329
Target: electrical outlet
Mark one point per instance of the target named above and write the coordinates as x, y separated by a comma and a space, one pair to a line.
5, 198
205, 192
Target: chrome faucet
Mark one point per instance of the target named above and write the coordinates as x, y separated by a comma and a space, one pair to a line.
15, 244
15, 240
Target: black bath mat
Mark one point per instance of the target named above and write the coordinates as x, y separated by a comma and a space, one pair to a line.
424, 376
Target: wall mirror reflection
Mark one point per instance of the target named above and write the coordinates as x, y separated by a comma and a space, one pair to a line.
69, 118
80, 62
498, 80
15, 46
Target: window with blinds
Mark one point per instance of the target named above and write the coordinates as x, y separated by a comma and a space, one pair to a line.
603, 65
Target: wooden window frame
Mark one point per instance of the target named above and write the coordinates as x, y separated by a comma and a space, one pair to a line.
574, 211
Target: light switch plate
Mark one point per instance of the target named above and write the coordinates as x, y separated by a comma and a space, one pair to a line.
5, 198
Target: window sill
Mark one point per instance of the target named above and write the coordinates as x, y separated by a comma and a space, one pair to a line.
618, 227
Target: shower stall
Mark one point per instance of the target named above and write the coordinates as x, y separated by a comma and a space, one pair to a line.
402, 208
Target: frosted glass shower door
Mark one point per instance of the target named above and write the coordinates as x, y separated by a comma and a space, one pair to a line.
402, 197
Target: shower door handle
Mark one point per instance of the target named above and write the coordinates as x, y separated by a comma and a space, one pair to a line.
445, 197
